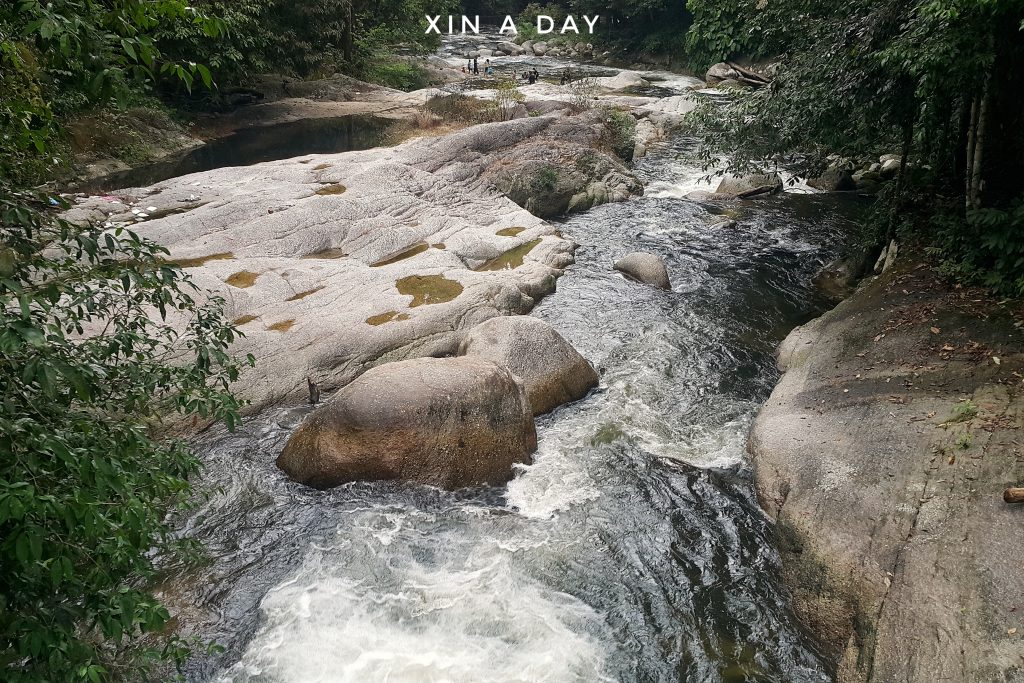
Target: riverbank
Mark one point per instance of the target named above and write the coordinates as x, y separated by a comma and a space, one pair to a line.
882, 454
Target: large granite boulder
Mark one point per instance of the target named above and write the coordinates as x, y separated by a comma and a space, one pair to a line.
646, 268
834, 179
447, 422
720, 72
749, 185
552, 371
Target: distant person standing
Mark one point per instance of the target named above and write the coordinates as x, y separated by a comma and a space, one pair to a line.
476, 67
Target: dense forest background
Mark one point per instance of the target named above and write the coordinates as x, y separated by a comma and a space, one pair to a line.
86, 480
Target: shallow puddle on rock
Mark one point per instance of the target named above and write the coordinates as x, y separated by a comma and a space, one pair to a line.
332, 189
401, 256
510, 232
511, 259
244, 319
242, 279
282, 326
303, 295
376, 320
428, 289
201, 260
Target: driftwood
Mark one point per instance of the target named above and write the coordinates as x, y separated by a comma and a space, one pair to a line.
1013, 495
764, 189
749, 76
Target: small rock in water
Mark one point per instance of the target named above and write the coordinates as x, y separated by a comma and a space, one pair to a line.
646, 268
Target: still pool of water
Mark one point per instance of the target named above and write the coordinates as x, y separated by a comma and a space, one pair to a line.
631, 550
252, 146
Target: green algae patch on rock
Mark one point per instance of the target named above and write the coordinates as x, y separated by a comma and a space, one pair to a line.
401, 256
201, 260
303, 295
242, 279
282, 326
332, 189
377, 320
510, 232
429, 289
329, 253
511, 259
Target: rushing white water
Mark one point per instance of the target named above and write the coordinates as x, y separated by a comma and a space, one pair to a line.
631, 550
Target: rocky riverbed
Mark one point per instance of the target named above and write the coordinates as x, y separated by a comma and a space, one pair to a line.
880, 455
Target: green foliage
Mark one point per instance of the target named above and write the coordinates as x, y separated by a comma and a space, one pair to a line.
723, 30
985, 249
622, 132
100, 342
506, 97
57, 58
933, 80
396, 74
545, 180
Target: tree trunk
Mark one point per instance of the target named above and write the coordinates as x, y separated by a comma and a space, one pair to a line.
348, 32
979, 149
972, 130
908, 146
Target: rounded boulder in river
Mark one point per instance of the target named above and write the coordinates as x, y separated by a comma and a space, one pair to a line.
646, 268
446, 422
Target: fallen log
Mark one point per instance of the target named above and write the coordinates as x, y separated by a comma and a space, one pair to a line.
764, 189
752, 75
1014, 495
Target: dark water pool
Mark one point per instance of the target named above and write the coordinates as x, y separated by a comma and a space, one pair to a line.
252, 146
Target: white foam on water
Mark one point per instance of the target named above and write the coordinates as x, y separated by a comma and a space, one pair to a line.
379, 610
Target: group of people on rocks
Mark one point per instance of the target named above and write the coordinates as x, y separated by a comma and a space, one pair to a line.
473, 67
531, 76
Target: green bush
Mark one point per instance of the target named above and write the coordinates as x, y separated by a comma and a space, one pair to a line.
396, 74
101, 342
621, 128
985, 249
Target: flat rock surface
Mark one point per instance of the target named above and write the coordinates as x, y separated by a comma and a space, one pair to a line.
334, 263
883, 454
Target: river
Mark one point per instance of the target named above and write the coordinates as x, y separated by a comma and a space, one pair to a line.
631, 550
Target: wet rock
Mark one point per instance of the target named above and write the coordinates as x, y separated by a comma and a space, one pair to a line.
510, 48
838, 278
646, 268
720, 72
552, 371
834, 179
890, 167
732, 84
621, 81
446, 422
752, 184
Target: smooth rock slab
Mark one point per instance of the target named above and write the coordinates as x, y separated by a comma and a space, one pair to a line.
552, 371
334, 263
646, 268
446, 422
